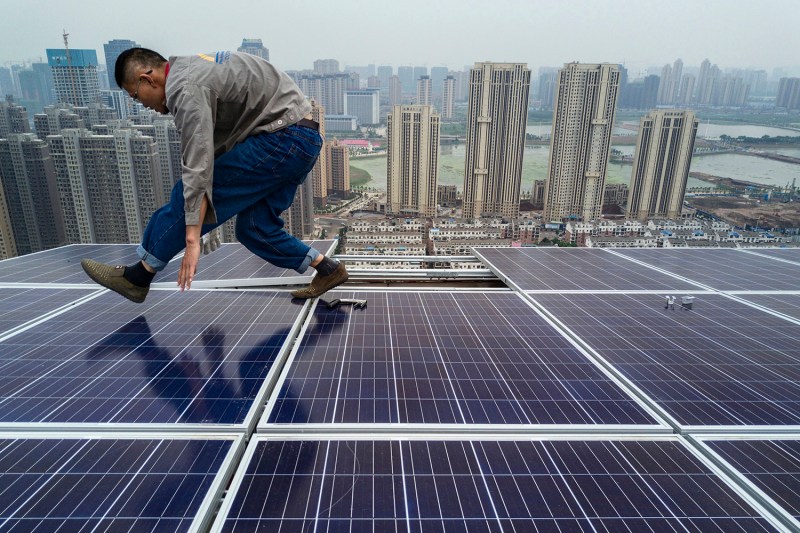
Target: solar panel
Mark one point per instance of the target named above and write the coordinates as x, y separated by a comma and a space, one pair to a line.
22, 305
721, 269
63, 265
234, 265
189, 359
787, 304
444, 358
772, 465
111, 484
560, 269
723, 363
461, 484
787, 254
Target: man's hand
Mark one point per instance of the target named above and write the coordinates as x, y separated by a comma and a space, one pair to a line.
211, 241
189, 265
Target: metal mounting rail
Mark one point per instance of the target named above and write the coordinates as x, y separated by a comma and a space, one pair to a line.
409, 258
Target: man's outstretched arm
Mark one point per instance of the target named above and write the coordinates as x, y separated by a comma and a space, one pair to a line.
192, 254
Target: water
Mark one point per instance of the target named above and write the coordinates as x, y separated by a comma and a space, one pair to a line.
534, 167
714, 131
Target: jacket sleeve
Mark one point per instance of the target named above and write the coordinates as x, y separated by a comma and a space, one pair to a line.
194, 112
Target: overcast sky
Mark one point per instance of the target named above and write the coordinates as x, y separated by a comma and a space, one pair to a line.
452, 33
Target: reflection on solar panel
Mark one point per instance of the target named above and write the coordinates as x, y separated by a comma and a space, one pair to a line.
721, 269
444, 358
771, 465
788, 304
235, 262
109, 484
722, 363
559, 269
183, 358
474, 485
63, 265
18, 306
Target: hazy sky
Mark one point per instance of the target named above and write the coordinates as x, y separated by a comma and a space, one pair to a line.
452, 33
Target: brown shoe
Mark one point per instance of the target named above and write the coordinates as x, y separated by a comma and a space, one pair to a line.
322, 284
110, 277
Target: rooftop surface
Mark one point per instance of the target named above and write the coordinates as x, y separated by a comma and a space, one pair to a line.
568, 396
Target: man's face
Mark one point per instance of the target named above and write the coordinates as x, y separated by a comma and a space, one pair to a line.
147, 90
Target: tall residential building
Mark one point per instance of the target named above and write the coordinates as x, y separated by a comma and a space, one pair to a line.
730, 91
112, 50
13, 119
254, 47
438, 74
337, 157
109, 185
326, 66
496, 120
6, 83
580, 142
299, 217
37, 87
75, 75
395, 91
328, 90
419, 72
661, 164
56, 118
788, 93
547, 86
687, 89
424, 91
406, 75
8, 246
29, 182
413, 161
448, 97
319, 174
353, 81
168, 141
462, 85
365, 104
385, 73
669, 88
119, 101
705, 82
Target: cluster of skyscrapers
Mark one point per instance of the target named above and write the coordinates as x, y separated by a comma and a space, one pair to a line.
585, 102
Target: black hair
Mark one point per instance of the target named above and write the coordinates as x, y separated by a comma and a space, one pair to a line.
135, 58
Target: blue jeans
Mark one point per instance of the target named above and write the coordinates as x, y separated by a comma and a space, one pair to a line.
257, 180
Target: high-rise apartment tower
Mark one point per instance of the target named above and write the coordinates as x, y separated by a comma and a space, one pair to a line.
661, 164
496, 120
580, 144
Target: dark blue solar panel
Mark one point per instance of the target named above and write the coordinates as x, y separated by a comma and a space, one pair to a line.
72, 484
393, 485
787, 254
195, 357
63, 265
722, 363
771, 465
235, 262
19, 306
444, 358
533, 269
721, 269
788, 304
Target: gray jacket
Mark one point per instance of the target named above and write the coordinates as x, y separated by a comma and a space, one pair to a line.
218, 101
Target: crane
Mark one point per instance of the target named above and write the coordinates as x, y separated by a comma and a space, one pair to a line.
69, 68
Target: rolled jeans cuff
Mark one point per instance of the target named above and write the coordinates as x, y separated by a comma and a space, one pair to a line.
153, 261
310, 256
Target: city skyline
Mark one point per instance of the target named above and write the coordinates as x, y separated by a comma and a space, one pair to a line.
730, 33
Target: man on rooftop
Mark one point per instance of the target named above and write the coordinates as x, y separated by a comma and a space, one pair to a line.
247, 142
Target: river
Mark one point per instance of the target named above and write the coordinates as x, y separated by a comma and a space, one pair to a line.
535, 159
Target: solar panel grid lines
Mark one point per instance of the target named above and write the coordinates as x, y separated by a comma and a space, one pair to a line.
791, 255
782, 304
113, 482
62, 265
206, 362
559, 269
720, 269
468, 483
414, 359
766, 466
723, 364
22, 307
